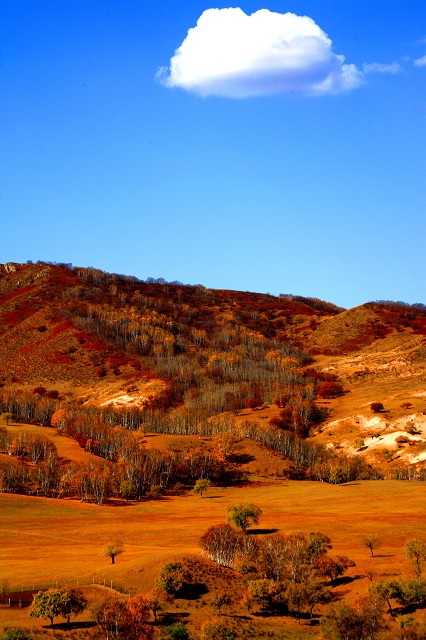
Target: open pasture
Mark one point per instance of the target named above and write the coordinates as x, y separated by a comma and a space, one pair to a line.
45, 541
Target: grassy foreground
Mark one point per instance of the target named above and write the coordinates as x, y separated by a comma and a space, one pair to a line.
49, 541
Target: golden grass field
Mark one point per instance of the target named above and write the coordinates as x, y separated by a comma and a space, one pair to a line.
45, 541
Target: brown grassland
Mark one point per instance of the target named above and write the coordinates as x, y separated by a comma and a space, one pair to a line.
49, 541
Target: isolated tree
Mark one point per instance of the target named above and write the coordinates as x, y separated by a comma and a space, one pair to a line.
371, 542
219, 599
201, 486
113, 549
244, 515
47, 604
377, 407
415, 550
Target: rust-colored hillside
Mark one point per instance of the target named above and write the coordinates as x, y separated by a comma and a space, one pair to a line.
105, 339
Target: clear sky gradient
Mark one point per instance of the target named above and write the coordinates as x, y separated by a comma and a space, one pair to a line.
292, 189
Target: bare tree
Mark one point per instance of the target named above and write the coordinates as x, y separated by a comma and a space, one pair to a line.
415, 550
113, 549
371, 542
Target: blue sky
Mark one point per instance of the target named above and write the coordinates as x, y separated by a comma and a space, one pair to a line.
305, 187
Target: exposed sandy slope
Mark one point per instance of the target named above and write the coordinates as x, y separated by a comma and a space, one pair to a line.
136, 395
376, 437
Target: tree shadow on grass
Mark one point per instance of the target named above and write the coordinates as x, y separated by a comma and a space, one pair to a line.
257, 532
170, 617
344, 580
192, 591
72, 626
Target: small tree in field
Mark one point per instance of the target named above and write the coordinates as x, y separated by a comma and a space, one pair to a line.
244, 515
156, 600
372, 542
47, 604
219, 599
415, 550
377, 407
7, 417
113, 549
201, 486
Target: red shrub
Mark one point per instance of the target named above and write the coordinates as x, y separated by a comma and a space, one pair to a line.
253, 403
329, 389
40, 391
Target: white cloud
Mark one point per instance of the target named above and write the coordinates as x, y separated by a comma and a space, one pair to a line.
234, 55
377, 67
420, 62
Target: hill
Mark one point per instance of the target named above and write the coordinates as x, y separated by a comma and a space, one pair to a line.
80, 337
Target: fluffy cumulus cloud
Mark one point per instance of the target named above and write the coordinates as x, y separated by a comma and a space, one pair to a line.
234, 55
378, 67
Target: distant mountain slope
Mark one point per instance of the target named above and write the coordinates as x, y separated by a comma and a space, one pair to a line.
102, 339
61, 324
357, 328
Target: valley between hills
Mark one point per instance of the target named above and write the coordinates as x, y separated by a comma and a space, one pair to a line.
140, 413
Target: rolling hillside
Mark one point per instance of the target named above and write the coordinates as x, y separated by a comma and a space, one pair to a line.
86, 338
